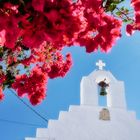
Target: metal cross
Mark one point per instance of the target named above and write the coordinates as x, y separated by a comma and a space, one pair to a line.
100, 64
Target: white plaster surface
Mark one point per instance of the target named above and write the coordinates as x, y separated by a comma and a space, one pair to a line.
82, 122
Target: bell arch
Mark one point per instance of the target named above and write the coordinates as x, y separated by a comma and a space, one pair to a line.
89, 89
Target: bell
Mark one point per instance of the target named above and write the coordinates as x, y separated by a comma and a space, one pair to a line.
103, 91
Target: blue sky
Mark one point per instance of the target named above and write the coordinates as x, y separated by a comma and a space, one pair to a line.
124, 63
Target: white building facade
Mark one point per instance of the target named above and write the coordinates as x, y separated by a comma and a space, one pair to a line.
89, 120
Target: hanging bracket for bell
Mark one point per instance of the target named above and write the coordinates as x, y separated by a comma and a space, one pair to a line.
103, 86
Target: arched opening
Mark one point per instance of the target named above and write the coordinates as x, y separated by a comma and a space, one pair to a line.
102, 100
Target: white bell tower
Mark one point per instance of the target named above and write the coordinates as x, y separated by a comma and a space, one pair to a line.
115, 90
89, 120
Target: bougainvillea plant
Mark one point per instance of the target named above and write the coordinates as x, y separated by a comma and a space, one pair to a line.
34, 32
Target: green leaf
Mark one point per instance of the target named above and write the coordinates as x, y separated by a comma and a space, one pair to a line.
30, 18
125, 20
118, 13
112, 7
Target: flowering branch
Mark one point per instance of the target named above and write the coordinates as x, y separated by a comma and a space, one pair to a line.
34, 32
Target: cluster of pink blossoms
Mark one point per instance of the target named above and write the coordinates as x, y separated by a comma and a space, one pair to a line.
33, 86
136, 21
101, 30
34, 32
60, 22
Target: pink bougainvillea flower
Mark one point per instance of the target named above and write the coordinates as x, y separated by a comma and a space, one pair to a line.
129, 29
2, 37
11, 36
1, 93
38, 5
137, 17
2, 78
136, 21
60, 68
10, 6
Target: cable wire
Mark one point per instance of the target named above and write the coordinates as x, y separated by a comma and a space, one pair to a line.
38, 114
18, 122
